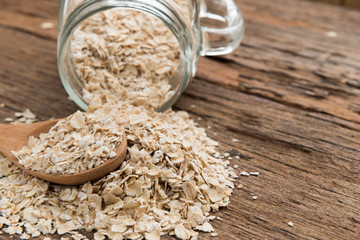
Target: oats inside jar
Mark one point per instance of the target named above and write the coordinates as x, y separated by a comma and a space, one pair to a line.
125, 55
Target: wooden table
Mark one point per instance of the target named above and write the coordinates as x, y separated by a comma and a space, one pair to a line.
290, 94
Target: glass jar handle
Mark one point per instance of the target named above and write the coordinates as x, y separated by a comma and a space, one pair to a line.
222, 27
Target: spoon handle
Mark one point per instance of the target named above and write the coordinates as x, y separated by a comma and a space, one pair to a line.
11, 136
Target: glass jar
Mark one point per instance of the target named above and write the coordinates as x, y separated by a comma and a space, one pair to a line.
200, 27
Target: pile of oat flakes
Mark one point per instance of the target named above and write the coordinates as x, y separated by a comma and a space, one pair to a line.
169, 182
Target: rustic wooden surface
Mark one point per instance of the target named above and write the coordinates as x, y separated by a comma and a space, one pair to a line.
290, 94
347, 3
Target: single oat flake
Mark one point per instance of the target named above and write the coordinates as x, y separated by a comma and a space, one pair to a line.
243, 173
47, 25
22, 117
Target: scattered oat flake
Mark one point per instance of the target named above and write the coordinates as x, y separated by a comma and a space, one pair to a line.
24, 236
206, 227
153, 235
240, 186
332, 34
47, 25
237, 157
213, 234
66, 227
219, 218
236, 166
254, 197
243, 173
77, 236
28, 114
2, 105
23, 117
291, 224
235, 140
254, 173
99, 236
181, 232
8, 119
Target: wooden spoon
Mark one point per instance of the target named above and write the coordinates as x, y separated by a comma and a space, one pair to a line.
14, 137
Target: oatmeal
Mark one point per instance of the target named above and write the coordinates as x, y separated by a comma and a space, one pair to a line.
22, 117
125, 55
78, 143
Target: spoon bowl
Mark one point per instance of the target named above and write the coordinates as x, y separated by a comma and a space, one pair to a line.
14, 137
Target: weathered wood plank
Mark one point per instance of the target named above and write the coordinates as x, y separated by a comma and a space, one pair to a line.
303, 178
29, 77
290, 94
290, 59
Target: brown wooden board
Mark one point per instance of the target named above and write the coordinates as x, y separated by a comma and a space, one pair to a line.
290, 94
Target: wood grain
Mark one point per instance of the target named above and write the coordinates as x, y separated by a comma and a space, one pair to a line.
347, 3
290, 94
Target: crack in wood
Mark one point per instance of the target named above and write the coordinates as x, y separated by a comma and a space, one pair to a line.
18, 29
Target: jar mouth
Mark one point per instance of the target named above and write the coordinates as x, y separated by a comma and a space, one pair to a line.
169, 16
